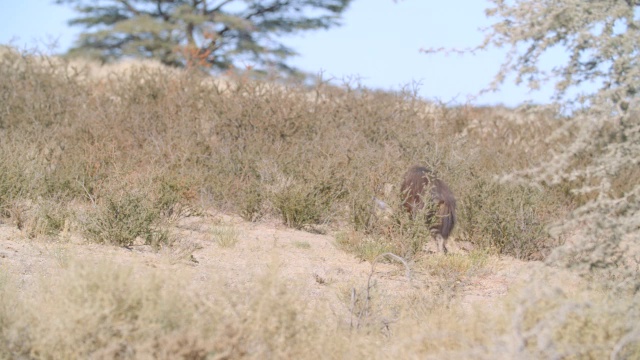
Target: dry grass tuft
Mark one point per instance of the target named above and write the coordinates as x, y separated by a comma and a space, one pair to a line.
225, 236
88, 308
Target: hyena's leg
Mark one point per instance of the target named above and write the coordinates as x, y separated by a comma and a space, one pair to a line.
442, 243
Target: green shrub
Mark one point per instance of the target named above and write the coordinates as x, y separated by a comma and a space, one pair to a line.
300, 206
121, 219
306, 204
508, 219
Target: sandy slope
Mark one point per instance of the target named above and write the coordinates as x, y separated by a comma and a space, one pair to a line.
310, 263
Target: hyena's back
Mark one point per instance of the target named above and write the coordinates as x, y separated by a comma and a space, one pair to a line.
419, 184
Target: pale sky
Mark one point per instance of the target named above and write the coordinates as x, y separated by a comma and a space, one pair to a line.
379, 43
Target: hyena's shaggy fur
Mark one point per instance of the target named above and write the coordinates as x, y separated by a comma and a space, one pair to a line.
419, 184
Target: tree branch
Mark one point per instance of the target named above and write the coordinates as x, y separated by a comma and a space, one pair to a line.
217, 8
164, 15
130, 7
263, 10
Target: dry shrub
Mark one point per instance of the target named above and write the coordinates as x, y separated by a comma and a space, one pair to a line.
122, 218
543, 318
509, 219
49, 217
309, 155
251, 201
300, 205
14, 177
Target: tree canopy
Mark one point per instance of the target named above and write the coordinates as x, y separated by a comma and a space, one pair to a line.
601, 39
211, 33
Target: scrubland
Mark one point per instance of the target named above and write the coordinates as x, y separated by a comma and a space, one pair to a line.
136, 201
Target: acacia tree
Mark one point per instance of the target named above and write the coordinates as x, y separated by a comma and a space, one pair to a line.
213, 33
602, 41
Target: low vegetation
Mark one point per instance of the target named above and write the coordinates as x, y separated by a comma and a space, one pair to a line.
105, 309
120, 158
143, 145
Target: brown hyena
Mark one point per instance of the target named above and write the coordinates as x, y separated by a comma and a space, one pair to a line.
419, 183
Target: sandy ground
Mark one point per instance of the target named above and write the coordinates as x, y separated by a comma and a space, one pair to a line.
311, 263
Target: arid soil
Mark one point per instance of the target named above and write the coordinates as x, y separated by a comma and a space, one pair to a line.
311, 263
